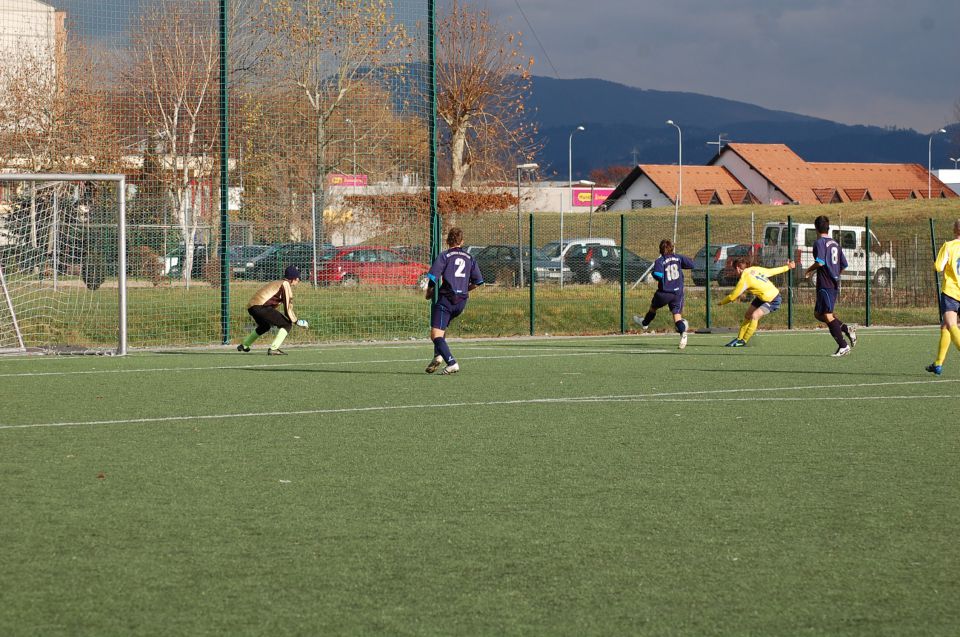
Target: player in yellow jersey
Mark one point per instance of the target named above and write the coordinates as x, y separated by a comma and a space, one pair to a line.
948, 262
766, 299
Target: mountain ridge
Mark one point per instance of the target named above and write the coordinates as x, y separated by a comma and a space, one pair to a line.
625, 123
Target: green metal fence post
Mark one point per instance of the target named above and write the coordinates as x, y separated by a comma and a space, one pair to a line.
224, 180
435, 221
623, 275
790, 255
936, 275
868, 279
706, 233
533, 277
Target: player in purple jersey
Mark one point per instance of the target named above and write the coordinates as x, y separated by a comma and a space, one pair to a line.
453, 274
667, 270
828, 263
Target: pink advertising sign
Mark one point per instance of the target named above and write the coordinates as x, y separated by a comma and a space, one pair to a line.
581, 197
339, 179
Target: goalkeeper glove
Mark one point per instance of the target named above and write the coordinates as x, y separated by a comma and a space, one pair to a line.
302, 323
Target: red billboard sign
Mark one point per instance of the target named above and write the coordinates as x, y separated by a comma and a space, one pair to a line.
339, 179
581, 197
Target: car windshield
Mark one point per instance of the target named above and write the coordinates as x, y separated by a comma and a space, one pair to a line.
551, 250
537, 254
248, 252
713, 249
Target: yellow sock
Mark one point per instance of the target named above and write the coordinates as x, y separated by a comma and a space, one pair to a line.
751, 328
944, 346
278, 341
955, 334
743, 330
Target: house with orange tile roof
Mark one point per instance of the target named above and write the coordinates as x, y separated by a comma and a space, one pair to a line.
656, 186
775, 174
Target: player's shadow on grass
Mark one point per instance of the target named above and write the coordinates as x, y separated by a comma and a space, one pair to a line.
284, 370
814, 372
594, 346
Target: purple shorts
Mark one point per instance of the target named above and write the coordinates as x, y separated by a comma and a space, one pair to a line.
672, 299
445, 311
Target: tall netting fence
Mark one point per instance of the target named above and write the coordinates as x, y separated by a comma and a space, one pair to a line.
593, 276
327, 147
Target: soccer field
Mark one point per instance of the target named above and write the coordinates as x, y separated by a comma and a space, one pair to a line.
575, 486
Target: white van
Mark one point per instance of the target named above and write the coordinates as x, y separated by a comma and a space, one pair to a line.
852, 240
554, 251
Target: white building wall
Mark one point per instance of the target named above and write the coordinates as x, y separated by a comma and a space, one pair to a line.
642, 188
28, 34
951, 178
756, 183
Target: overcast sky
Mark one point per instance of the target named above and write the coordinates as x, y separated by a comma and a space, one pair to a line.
881, 62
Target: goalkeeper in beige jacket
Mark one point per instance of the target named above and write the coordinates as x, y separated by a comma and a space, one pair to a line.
263, 308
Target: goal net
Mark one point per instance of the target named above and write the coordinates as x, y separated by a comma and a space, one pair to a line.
62, 263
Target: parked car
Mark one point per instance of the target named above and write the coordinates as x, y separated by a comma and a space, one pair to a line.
244, 258
852, 240
500, 264
750, 251
596, 264
414, 253
273, 262
353, 265
717, 258
473, 250
554, 250
173, 261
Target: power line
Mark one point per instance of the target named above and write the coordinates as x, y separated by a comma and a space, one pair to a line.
537, 38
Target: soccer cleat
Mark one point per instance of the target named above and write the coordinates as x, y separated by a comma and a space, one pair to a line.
739, 343
843, 350
639, 321
852, 335
683, 340
276, 352
434, 364
451, 369
242, 348
933, 368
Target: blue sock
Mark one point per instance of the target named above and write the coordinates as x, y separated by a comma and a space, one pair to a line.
440, 346
648, 318
681, 326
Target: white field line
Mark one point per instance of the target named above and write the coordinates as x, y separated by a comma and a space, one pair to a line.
713, 395
481, 343
419, 359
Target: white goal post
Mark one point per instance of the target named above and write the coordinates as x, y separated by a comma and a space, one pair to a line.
54, 234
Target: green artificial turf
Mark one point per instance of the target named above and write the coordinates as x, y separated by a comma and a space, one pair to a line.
594, 486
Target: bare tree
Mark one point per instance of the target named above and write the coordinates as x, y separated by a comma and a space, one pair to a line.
483, 81
54, 113
172, 69
326, 52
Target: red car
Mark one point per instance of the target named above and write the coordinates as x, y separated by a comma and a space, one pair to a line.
352, 265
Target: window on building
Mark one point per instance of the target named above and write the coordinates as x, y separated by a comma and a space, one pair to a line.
640, 204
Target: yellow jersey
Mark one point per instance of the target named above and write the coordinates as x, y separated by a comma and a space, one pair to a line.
948, 262
756, 280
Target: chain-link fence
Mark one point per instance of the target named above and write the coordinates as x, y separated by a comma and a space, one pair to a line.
258, 134
587, 284
299, 124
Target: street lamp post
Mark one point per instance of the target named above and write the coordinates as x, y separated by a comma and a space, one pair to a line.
930, 158
354, 137
679, 197
591, 184
569, 192
955, 161
520, 169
